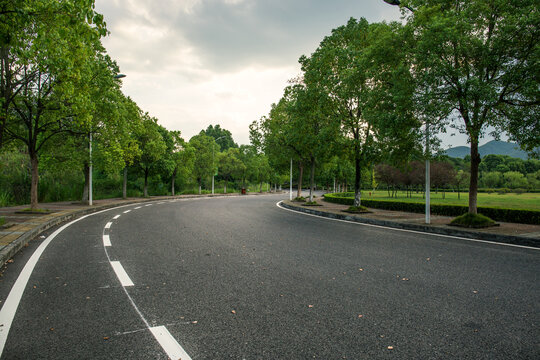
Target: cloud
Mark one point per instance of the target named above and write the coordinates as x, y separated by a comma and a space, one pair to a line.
192, 63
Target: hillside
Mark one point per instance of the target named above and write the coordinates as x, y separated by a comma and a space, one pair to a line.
493, 147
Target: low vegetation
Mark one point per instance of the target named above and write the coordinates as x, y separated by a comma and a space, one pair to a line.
475, 221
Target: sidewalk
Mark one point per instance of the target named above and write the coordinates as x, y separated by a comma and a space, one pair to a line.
518, 234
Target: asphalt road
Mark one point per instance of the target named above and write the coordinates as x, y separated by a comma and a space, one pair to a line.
240, 278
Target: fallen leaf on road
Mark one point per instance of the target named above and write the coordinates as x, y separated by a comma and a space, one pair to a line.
390, 348
105, 338
360, 269
52, 329
194, 322
233, 311
10, 261
310, 306
475, 291
405, 279
360, 316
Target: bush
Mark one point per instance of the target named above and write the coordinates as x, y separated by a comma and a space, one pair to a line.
498, 214
299, 199
357, 209
472, 221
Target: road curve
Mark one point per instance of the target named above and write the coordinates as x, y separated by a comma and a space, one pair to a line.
240, 278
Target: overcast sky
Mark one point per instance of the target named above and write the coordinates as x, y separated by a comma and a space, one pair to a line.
192, 63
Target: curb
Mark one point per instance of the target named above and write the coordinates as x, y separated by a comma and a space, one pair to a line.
10, 250
505, 239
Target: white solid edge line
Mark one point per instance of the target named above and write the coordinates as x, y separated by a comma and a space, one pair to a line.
14, 297
121, 274
169, 343
9, 308
106, 240
278, 204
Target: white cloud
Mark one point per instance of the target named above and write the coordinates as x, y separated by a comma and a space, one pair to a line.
192, 63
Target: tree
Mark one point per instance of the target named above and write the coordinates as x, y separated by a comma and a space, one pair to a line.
204, 164
492, 179
442, 174
41, 69
514, 180
461, 178
477, 62
182, 156
230, 166
152, 146
363, 72
223, 137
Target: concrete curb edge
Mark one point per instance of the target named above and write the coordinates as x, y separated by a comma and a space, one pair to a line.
469, 234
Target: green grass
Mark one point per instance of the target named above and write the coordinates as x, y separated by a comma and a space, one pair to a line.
2, 221
529, 201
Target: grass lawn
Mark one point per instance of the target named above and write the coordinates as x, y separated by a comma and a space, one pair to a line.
529, 201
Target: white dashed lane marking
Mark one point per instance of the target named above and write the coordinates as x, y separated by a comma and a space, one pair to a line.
106, 240
121, 274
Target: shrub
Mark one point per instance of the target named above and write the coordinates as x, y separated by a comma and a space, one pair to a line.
472, 221
357, 209
299, 199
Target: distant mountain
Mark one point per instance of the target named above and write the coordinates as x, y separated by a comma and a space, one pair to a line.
493, 147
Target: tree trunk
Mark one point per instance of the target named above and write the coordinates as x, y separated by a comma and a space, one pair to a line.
200, 187
260, 187
300, 178
225, 187
172, 180
145, 191
124, 184
473, 187
312, 179
86, 171
35, 180
357, 180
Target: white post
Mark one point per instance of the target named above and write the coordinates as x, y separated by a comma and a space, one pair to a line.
213, 171
90, 173
428, 182
290, 191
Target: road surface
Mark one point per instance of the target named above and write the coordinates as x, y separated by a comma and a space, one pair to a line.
241, 278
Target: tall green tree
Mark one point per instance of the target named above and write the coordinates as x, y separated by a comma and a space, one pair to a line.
43, 71
152, 146
223, 137
364, 73
230, 165
205, 151
477, 63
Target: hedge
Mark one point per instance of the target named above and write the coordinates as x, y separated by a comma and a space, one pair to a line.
498, 214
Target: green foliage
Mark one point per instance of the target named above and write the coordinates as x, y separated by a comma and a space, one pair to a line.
222, 137
205, 149
469, 220
357, 209
299, 199
469, 62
